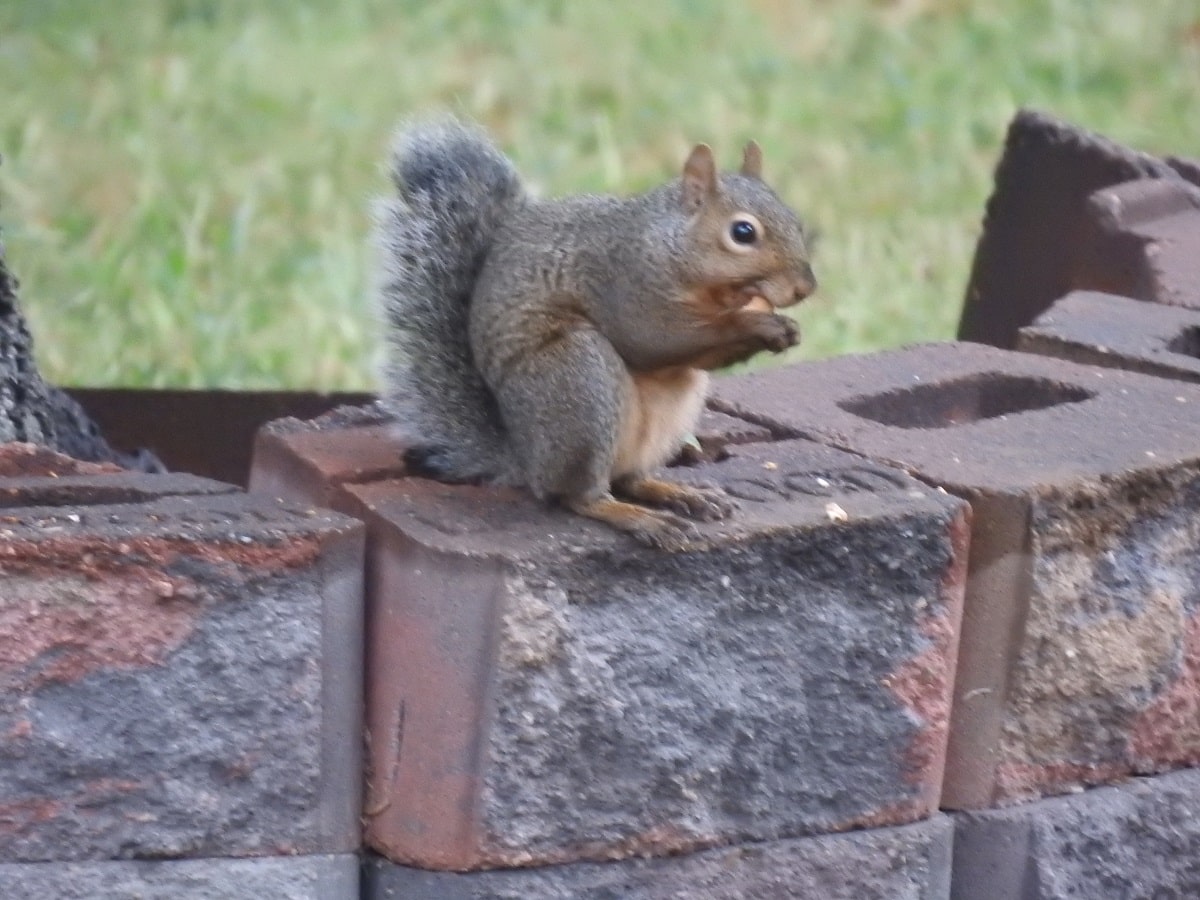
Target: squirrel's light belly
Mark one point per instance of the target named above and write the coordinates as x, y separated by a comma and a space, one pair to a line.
661, 411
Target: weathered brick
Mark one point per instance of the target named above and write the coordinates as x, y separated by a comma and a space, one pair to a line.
31, 475
1136, 841
22, 459
543, 689
1106, 330
309, 460
276, 878
1143, 241
1036, 228
178, 677
107, 488
1080, 649
908, 862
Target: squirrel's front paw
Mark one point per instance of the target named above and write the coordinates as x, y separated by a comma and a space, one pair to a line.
780, 332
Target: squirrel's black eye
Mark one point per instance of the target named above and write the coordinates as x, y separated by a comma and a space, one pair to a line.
743, 232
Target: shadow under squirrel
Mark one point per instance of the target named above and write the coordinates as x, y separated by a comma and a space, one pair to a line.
563, 345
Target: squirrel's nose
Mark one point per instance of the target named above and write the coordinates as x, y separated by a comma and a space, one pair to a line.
807, 283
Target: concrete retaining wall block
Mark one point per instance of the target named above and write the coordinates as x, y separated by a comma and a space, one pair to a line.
1080, 649
1142, 240
541, 689
179, 671
1036, 230
1106, 330
1136, 841
271, 878
907, 862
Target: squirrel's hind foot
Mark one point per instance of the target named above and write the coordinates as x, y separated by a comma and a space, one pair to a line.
654, 528
701, 504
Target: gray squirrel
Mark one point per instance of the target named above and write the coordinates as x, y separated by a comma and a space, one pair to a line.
564, 345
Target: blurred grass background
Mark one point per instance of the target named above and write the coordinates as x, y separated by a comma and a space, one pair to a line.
186, 183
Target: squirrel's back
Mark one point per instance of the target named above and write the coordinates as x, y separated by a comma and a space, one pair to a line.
454, 189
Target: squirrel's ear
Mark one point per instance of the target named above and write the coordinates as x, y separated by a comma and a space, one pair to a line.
752, 160
699, 177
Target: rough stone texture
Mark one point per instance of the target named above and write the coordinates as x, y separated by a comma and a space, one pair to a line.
543, 689
1080, 647
1143, 241
1136, 841
178, 677
1105, 330
1035, 228
909, 862
32, 475
21, 459
271, 878
91, 490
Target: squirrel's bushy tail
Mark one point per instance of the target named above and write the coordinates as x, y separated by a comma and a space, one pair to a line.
454, 188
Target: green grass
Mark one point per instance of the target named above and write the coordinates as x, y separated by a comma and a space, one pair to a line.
186, 184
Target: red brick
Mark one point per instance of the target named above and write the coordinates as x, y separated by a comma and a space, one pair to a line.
1143, 241
309, 461
19, 459
1077, 655
543, 689
1037, 228
1106, 330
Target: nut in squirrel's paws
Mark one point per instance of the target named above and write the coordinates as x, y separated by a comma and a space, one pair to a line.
778, 332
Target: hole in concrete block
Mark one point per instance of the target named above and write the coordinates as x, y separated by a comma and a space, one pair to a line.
984, 396
1186, 342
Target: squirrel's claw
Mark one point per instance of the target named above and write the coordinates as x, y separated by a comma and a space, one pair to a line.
703, 505
665, 531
